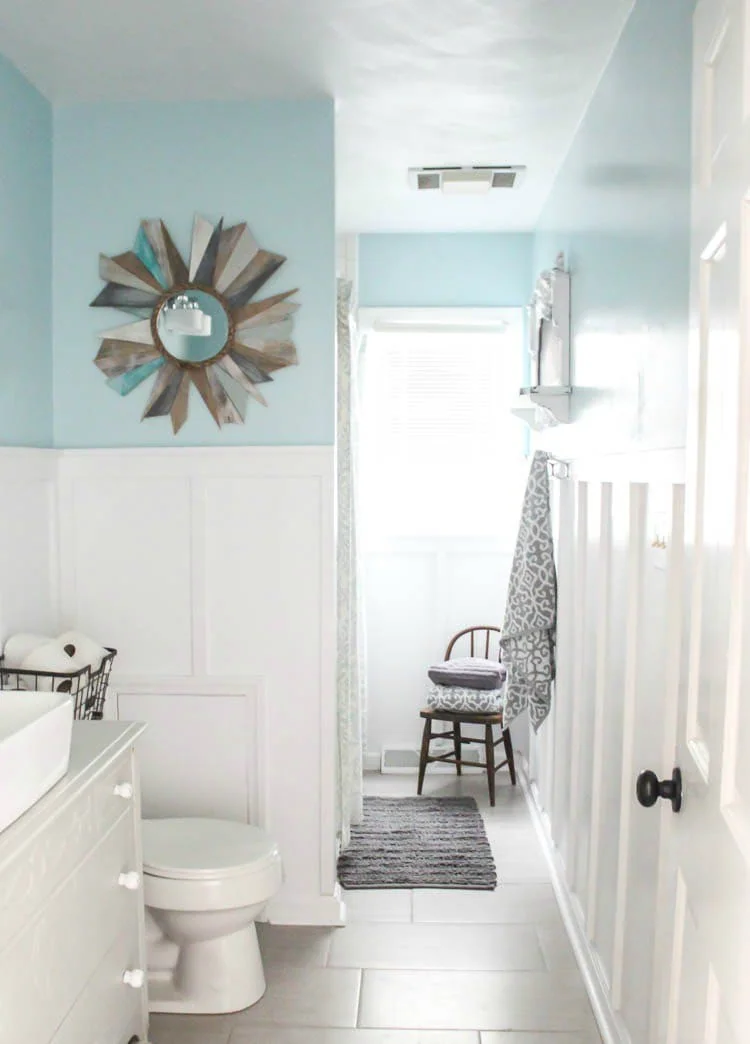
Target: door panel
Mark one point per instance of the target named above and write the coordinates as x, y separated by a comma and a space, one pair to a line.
708, 856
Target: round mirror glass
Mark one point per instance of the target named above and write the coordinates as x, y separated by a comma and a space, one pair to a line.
193, 326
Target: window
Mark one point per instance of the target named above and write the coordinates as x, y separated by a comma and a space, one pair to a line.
442, 455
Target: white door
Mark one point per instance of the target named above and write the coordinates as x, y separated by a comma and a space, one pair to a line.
706, 990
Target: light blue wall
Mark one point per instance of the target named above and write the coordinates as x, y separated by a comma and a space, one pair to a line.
620, 210
25, 262
479, 270
269, 163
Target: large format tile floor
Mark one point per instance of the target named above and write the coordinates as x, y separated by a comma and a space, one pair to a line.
423, 966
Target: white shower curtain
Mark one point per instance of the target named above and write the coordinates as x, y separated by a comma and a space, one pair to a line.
350, 673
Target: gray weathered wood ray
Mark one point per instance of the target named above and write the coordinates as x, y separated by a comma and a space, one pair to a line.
117, 357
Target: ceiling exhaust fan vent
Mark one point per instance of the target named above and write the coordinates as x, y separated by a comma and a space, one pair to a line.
427, 180
465, 180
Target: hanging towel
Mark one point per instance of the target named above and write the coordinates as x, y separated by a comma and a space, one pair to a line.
528, 634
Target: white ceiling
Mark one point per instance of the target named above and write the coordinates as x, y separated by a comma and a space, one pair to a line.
417, 82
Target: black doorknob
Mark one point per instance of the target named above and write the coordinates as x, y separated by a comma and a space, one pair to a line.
649, 788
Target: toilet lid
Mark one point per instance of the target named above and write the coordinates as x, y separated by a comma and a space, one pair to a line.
205, 848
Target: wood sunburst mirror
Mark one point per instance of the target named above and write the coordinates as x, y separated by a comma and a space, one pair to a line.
195, 323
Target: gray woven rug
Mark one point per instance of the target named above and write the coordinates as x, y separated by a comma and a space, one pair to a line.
419, 842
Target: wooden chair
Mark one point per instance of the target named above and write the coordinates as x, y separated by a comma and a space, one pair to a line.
456, 720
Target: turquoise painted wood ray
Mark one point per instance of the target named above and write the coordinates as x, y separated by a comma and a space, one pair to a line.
145, 252
125, 383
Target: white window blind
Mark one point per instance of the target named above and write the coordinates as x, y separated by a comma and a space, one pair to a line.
441, 452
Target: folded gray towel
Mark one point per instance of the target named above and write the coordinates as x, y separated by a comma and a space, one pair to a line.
468, 672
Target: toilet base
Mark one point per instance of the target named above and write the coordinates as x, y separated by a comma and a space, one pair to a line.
213, 977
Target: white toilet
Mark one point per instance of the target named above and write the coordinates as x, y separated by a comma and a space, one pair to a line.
205, 883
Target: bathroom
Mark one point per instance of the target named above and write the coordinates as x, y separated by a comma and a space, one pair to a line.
198, 539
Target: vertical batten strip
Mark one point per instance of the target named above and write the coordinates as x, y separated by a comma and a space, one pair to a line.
602, 652
558, 808
578, 674
678, 949
636, 565
673, 652
328, 709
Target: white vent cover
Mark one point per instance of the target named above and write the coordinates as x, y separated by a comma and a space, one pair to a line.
465, 180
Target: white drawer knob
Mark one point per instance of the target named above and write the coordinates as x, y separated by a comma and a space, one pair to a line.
123, 790
134, 978
130, 880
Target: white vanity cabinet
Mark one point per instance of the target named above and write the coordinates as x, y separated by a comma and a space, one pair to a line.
72, 945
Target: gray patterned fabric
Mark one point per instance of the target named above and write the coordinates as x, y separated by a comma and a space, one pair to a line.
419, 842
469, 672
528, 634
460, 700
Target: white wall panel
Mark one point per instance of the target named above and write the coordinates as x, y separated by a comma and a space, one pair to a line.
208, 569
28, 542
178, 768
126, 567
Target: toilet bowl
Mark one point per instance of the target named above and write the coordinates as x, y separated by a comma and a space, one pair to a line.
205, 882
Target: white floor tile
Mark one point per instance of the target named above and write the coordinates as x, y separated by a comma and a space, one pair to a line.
306, 997
507, 904
592, 1037
474, 1000
188, 1029
494, 947
294, 947
558, 953
269, 1035
378, 905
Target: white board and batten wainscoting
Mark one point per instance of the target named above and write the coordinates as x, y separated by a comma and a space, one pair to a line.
212, 571
619, 558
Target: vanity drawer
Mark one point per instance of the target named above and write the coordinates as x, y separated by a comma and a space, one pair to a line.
50, 962
41, 865
108, 1011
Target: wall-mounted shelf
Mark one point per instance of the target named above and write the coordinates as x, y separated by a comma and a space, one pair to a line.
547, 401
544, 406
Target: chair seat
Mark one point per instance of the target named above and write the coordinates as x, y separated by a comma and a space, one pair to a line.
463, 717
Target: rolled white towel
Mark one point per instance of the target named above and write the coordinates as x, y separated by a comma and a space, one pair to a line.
51, 657
79, 645
19, 646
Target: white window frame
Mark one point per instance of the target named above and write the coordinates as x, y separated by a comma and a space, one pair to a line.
449, 320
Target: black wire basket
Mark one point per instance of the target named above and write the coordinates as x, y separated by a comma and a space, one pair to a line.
87, 688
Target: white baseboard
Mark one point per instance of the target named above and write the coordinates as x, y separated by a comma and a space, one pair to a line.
610, 1023
324, 911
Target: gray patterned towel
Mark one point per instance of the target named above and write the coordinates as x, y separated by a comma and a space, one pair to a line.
528, 636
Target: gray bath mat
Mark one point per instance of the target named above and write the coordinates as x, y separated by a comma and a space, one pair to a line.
419, 842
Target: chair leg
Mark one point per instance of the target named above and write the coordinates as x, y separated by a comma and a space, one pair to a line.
508, 744
426, 737
489, 746
457, 746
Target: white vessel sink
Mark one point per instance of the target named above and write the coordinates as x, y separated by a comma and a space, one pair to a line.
35, 733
